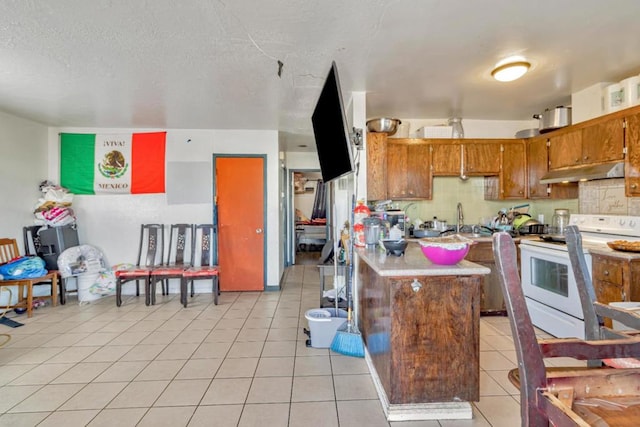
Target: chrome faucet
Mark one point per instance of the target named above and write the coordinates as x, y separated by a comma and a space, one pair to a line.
460, 222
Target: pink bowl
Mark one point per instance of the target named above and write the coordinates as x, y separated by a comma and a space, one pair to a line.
444, 256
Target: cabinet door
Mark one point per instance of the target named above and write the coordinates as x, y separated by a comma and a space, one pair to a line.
446, 159
419, 181
538, 165
608, 283
408, 170
565, 150
397, 156
481, 158
513, 176
376, 166
632, 165
603, 142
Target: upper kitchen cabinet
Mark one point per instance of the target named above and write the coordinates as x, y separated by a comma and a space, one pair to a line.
593, 143
538, 165
511, 181
376, 166
465, 157
632, 165
445, 160
408, 169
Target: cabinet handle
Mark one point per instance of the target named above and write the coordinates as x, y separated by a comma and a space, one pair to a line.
415, 285
576, 160
585, 158
634, 186
606, 273
624, 296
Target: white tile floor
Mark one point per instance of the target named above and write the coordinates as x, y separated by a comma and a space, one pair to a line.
241, 363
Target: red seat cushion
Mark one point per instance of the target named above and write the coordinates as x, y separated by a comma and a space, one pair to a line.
201, 271
133, 272
167, 271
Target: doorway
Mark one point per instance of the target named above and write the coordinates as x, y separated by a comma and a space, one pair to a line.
239, 194
308, 218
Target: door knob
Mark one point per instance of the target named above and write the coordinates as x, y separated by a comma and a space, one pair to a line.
258, 230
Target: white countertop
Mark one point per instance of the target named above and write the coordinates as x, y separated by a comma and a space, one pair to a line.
414, 263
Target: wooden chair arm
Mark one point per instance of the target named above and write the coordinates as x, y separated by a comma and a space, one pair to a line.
590, 350
629, 318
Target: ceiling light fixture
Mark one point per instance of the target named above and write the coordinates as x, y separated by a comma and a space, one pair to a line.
510, 71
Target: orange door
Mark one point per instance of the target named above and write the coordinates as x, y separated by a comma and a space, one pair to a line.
239, 187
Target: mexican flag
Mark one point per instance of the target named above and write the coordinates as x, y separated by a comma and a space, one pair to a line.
112, 163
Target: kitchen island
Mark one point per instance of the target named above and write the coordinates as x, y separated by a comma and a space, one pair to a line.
421, 326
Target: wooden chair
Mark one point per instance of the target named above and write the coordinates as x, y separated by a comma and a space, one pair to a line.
203, 262
570, 396
180, 243
594, 311
150, 252
8, 251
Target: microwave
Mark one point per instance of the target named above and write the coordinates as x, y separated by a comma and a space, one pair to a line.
392, 217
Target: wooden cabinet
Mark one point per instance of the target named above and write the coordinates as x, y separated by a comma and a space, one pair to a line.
615, 279
376, 166
408, 169
513, 170
480, 158
511, 181
600, 142
632, 164
445, 159
538, 166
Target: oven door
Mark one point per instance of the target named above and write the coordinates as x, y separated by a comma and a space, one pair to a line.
547, 278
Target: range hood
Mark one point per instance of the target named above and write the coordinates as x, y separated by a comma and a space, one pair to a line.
585, 173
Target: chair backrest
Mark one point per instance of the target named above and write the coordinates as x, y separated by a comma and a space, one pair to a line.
530, 360
8, 250
151, 248
586, 291
180, 244
205, 244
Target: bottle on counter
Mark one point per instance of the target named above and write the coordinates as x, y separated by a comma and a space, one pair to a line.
360, 212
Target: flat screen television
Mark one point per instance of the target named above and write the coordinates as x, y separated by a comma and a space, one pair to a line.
330, 130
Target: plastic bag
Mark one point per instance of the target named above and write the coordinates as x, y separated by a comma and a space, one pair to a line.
23, 268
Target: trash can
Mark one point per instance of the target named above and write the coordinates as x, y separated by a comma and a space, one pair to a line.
323, 323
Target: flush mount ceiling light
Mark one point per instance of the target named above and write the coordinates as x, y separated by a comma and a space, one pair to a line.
510, 70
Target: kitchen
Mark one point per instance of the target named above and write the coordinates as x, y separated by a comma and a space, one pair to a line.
207, 119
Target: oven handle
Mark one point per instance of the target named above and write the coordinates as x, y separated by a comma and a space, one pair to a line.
543, 251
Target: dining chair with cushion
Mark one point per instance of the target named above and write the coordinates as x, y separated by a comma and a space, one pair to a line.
180, 245
564, 396
150, 253
9, 251
203, 262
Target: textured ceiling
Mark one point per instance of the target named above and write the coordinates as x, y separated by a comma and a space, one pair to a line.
214, 64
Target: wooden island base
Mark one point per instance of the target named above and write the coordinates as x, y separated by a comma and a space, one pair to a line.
420, 323
418, 411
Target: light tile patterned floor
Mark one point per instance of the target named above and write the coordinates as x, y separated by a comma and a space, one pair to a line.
241, 363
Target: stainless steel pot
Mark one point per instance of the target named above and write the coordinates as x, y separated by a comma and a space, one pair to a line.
388, 126
556, 118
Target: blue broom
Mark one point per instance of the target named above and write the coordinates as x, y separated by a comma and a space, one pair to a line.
348, 340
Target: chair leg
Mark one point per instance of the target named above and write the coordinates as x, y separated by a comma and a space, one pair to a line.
118, 292
138, 288
183, 291
216, 290
147, 291
63, 291
29, 298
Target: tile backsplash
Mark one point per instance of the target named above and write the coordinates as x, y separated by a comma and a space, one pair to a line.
606, 196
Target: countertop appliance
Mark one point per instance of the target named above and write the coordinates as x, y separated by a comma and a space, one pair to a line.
547, 277
391, 218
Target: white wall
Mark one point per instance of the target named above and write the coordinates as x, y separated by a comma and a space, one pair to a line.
111, 222
23, 166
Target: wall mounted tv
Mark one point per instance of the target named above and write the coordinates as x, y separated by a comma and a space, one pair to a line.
330, 130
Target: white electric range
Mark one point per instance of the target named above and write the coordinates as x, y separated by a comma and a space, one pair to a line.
547, 278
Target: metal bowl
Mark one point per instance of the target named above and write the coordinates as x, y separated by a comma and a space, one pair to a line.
385, 125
